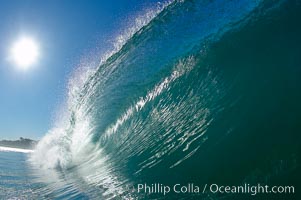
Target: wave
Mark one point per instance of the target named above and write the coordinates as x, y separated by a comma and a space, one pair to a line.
192, 84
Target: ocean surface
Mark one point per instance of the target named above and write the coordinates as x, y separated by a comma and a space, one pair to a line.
196, 91
16, 182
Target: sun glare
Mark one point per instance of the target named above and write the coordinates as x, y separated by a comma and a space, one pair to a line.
24, 53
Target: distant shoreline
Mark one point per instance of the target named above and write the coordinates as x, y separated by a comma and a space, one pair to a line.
22, 143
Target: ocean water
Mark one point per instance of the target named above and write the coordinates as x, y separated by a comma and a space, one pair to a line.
16, 181
196, 92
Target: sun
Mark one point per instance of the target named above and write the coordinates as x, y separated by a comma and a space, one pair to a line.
24, 53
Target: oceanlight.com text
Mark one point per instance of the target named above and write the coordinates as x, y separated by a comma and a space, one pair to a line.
191, 188
250, 189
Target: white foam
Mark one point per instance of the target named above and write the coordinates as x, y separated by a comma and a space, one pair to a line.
66, 144
10, 149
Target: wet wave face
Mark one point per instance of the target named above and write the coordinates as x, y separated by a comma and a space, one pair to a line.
195, 92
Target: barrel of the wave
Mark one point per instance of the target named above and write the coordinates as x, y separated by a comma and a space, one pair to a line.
206, 92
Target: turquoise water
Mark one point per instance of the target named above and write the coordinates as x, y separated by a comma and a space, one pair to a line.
15, 179
200, 92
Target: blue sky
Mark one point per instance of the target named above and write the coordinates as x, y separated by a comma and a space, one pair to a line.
66, 31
